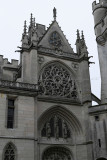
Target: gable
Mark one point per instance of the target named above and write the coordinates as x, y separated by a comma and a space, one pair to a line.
55, 39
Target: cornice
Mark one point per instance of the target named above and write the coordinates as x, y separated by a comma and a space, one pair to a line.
63, 55
60, 100
18, 88
97, 109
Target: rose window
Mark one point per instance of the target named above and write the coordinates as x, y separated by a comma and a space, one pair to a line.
57, 81
55, 39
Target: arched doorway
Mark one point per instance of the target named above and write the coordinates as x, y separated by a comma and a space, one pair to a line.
57, 153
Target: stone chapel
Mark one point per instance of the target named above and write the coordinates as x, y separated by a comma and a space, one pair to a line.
46, 110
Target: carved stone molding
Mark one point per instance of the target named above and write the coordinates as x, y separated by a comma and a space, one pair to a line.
75, 66
58, 53
40, 59
18, 85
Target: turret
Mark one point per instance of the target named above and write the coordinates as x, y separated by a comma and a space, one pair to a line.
99, 10
100, 20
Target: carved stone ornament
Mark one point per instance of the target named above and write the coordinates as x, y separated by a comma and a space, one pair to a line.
55, 39
40, 59
56, 81
56, 127
75, 66
56, 153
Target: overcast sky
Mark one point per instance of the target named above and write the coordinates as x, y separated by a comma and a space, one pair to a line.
71, 15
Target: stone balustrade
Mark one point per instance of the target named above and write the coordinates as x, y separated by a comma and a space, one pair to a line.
18, 85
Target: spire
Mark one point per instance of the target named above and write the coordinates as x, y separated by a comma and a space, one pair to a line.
83, 39
25, 36
82, 35
54, 14
83, 44
78, 35
31, 19
78, 43
25, 27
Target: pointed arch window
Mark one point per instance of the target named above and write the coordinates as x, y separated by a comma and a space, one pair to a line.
9, 153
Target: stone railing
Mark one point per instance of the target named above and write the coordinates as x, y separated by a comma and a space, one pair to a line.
18, 85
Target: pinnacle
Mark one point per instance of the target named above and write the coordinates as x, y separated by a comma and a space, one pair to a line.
25, 27
54, 13
82, 35
78, 34
31, 19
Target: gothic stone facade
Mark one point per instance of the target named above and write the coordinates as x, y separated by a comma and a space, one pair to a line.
46, 110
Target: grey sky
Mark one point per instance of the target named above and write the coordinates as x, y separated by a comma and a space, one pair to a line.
71, 15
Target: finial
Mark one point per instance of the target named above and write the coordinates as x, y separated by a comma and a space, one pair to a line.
31, 19
54, 14
82, 35
78, 34
25, 27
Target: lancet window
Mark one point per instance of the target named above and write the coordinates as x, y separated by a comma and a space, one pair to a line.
56, 127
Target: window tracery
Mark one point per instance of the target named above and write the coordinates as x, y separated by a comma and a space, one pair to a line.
56, 153
55, 39
56, 127
9, 153
57, 81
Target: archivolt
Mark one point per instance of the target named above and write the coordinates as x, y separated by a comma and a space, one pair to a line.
57, 152
68, 116
70, 70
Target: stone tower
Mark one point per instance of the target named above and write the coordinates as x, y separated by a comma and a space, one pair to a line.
100, 20
98, 114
